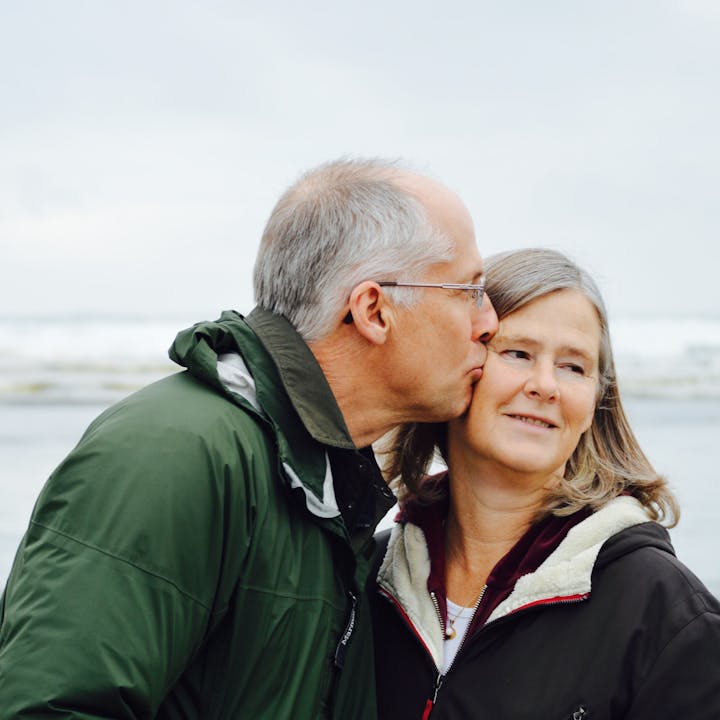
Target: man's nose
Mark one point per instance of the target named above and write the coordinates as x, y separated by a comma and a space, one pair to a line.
485, 321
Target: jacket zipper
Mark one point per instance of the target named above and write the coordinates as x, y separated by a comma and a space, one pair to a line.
440, 676
435, 602
341, 649
568, 600
430, 703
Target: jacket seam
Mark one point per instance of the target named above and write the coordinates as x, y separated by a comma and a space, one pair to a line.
698, 616
290, 596
126, 561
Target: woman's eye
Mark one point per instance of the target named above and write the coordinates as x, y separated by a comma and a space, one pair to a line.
516, 354
571, 367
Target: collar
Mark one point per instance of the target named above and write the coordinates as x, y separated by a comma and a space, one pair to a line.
353, 484
538, 542
302, 378
564, 576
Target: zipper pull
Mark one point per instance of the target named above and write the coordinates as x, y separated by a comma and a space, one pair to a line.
430, 704
427, 710
580, 713
341, 648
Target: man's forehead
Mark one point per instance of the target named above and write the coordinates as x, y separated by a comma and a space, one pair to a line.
467, 256
448, 213
466, 266
437, 198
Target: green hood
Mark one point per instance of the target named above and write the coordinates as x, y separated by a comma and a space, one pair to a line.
305, 417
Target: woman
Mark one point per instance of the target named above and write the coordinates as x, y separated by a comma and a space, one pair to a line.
534, 579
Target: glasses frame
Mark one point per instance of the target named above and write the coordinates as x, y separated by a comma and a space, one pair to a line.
477, 292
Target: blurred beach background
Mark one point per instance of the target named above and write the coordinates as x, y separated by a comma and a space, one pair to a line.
144, 144
58, 374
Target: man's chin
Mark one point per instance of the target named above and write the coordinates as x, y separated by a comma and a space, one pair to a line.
459, 408
450, 408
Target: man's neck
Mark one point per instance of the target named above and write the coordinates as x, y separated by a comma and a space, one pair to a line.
361, 395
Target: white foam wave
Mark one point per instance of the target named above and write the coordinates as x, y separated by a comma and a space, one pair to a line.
668, 357
100, 360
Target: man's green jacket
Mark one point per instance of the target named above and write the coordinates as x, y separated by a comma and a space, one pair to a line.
201, 552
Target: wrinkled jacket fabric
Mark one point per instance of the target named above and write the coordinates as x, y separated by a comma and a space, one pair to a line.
189, 558
611, 626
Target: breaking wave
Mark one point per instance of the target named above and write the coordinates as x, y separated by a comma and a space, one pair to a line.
100, 360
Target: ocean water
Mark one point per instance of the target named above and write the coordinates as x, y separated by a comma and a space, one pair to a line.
96, 360
56, 375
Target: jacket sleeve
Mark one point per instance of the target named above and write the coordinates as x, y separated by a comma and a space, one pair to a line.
113, 587
88, 635
684, 680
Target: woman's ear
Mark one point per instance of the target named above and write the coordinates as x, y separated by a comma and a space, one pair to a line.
370, 312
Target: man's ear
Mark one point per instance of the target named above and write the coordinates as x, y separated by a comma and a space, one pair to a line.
370, 312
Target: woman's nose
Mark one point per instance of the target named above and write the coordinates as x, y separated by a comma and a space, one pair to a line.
542, 381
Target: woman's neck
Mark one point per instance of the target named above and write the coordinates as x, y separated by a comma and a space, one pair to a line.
485, 520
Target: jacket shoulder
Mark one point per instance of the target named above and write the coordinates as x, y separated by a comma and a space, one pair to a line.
171, 471
639, 572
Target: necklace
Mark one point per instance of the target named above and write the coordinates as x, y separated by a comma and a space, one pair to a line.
450, 631
450, 627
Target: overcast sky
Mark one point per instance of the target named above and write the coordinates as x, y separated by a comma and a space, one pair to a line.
143, 144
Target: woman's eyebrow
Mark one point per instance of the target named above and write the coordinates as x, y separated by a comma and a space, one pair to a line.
534, 343
521, 339
577, 351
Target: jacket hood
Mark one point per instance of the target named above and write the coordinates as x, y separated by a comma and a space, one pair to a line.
647, 534
230, 355
197, 348
567, 572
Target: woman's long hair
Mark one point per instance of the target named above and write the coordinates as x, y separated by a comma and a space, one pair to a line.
607, 461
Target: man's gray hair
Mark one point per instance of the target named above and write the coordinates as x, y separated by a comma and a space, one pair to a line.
339, 224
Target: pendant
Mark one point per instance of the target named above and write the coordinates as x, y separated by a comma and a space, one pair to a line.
450, 633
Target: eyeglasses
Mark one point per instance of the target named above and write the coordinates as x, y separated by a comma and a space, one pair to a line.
476, 292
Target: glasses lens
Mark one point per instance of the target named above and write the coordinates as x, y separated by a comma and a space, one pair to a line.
481, 291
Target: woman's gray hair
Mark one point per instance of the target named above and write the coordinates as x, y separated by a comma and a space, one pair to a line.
607, 461
339, 224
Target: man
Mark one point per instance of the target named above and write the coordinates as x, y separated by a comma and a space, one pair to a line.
201, 552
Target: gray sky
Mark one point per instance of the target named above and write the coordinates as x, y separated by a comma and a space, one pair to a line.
143, 144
